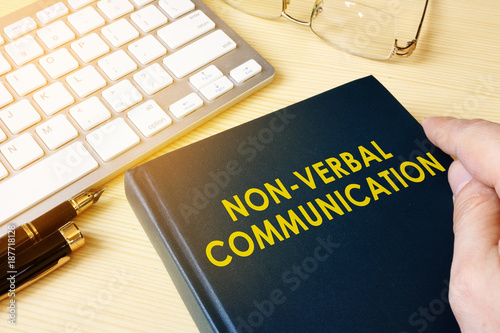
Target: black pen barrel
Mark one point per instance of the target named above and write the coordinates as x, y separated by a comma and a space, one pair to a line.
29, 263
28, 234
45, 224
23, 267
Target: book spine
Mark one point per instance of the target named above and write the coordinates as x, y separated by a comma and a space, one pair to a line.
136, 192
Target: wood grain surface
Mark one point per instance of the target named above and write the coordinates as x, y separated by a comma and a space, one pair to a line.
117, 283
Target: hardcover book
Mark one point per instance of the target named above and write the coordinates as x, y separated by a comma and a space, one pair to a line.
331, 215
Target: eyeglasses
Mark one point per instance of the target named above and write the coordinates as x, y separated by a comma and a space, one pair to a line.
361, 29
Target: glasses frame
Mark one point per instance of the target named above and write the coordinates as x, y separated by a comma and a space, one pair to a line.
397, 50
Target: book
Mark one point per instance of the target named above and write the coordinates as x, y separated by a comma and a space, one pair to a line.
333, 214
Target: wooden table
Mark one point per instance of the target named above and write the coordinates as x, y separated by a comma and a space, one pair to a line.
117, 283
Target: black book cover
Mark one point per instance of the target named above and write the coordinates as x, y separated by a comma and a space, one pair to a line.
331, 215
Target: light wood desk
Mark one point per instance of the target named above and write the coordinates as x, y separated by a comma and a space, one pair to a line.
117, 283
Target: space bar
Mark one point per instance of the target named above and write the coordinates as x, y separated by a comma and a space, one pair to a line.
199, 53
44, 178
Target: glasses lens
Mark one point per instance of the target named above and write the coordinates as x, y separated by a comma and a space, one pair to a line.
262, 8
355, 28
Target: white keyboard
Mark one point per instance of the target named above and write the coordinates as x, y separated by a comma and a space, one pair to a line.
89, 88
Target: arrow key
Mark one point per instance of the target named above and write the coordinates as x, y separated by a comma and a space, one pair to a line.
217, 88
206, 76
186, 105
245, 71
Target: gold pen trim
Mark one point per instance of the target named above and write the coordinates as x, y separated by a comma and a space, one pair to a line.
83, 201
59, 263
32, 232
35, 231
28, 232
72, 235
73, 238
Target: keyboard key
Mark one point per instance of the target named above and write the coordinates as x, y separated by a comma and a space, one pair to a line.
186, 105
24, 50
56, 132
4, 65
122, 95
58, 63
217, 88
114, 9
52, 13
176, 8
245, 71
5, 96
90, 113
147, 49
120, 32
44, 178
86, 20
20, 27
206, 76
21, 151
140, 3
26, 79
152, 79
55, 34
90, 47
199, 53
149, 18
113, 139
85, 81
19, 116
117, 65
186, 29
149, 118
54, 98
77, 4
89, 85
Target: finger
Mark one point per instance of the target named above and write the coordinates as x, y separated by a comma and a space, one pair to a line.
476, 222
475, 267
458, 177
476, 143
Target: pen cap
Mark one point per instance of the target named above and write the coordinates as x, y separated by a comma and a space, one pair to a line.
73, 236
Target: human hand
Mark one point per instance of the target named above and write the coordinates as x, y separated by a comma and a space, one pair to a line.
475, 182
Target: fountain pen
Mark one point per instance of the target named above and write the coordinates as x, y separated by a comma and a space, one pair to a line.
30, 233
38, 260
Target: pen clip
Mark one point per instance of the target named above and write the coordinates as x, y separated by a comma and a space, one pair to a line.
52, 268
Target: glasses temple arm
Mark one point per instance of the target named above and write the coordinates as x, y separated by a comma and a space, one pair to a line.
404, 51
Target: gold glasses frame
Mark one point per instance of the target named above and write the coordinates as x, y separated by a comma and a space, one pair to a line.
397, 50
